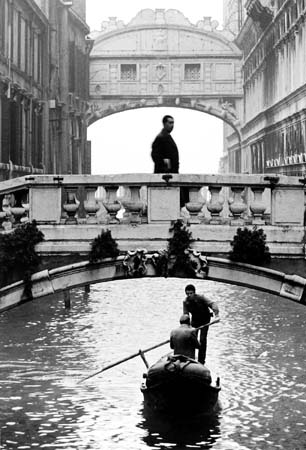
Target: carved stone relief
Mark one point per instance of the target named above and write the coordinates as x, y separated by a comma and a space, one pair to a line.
160, 41
160, 72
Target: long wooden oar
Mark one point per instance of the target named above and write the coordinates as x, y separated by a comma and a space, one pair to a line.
140, 352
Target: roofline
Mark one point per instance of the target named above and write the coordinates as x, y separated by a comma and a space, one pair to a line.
127, 29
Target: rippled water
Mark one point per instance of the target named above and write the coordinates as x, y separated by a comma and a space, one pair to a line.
258, 350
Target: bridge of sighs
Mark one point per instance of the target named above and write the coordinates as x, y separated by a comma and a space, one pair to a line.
161, 59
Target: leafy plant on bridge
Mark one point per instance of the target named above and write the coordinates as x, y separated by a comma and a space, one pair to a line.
176, 260
18, 257
249, 246
103, 246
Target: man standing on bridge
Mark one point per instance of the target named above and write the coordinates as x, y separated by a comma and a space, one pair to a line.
200, 308
164, 150
165, 155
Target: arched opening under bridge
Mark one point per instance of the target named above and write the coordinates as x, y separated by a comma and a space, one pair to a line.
121, 143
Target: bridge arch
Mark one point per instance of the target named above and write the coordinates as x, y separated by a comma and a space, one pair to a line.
224, 112
64, 278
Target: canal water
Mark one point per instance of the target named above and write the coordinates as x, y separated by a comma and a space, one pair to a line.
258, 350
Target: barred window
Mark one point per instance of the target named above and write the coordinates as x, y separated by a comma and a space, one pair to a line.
192, 71
128, 72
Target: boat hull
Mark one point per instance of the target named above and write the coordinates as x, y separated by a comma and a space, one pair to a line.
182, 388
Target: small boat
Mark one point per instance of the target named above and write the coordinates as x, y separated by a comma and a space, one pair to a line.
178, 385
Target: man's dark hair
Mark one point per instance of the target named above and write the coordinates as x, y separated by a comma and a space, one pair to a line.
165, 118
190, 287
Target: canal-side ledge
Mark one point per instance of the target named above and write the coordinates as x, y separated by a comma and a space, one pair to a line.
46, 282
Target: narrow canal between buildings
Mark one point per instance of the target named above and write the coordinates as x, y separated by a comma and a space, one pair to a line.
258, 350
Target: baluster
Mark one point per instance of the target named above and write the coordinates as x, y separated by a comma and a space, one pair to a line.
6, 207
18, 212
16, 208
133, 205
258, 206
111, 203
215, 205
26, 205
144, 199
237, 206
3, 218
72, 204
195, 204
102, 214
91, 205
124, 195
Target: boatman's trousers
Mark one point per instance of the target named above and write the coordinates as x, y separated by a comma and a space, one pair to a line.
203, 345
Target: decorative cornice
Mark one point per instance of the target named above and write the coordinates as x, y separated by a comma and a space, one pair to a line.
162, 19
259, 13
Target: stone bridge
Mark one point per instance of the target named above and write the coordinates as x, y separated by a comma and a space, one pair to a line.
161, 59
62, 279
71, 210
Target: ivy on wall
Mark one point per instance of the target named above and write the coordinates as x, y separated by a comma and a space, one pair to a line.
18, 257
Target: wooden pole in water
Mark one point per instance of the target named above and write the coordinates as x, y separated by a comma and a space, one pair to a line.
87, 288
67, 299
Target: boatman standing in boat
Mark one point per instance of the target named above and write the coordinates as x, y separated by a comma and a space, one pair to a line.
183, 340
200, 308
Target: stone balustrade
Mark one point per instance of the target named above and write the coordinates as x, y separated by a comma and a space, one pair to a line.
154, 199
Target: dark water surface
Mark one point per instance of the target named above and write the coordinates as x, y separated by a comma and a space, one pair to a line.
258, 350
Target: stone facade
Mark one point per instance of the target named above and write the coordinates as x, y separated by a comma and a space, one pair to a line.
161, 59
43, 82
273, 41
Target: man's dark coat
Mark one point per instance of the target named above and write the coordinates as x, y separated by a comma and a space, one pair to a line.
164, 147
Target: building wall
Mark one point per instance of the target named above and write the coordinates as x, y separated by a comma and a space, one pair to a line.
79, 6
23, 84
273, 40
44, 6
173, 75
233, 15
41, 42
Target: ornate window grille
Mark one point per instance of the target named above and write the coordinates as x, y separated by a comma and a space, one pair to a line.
192, 72
128, 72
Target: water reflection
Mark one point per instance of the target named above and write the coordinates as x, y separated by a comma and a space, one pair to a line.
201, 432
258, 350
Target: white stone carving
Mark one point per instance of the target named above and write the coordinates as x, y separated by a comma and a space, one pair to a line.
160, 40
160, 71
228, 107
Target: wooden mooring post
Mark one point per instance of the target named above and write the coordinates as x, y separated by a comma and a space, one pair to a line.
67, 299
87, 288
